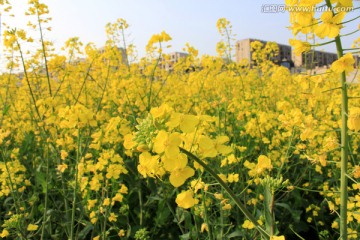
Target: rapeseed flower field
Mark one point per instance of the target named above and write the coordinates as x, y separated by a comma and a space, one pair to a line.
94, 145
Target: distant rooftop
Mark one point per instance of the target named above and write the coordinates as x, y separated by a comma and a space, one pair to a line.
255, 39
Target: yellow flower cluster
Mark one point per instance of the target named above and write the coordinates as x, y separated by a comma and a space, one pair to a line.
157, 39
12, 175
172, 131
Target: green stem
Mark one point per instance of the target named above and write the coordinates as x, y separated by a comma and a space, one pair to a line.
232, 195
75, 187
176, 218
350, 33
6, 106
44, 52
140, 206
152, 78
322, 44
221, 233
66, 205
83, 83
103, 92
47, 177
344, 152
344, 144
125, 49
27, 80
228, 38
350, 19
206, 217
351, 49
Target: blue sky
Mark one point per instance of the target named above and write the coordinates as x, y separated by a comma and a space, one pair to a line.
186, 21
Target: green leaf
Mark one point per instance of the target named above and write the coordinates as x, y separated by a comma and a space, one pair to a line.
40, 178
83, 233
269, 217
295, 214
235, 234
185, 236
162, 214
6, 109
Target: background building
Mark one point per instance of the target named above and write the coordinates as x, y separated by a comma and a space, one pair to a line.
243, 50
167, 63
313, 58
116, 51
357, 61
309, 60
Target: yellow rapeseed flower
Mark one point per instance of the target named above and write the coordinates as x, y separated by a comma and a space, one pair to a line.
117, 198
219, 196
179, 176
356, 172
159, 112
204, 227
64, 154
123, 189
186, 199
207, 147
233, 177
112, 217
32, 227
129, 142
62, 167
121, 233
114, 171
91, 203
345, 63
106, 202
264, 163
299, 46
344, 3
335, 225
167, 143
149, 165
197, 184
188, 123
222, 24
248, 224
277, 238
354, 119
4, 233
95, 182
331, 25
179, 171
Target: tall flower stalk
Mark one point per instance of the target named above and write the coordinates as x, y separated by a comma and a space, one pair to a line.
329, 25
